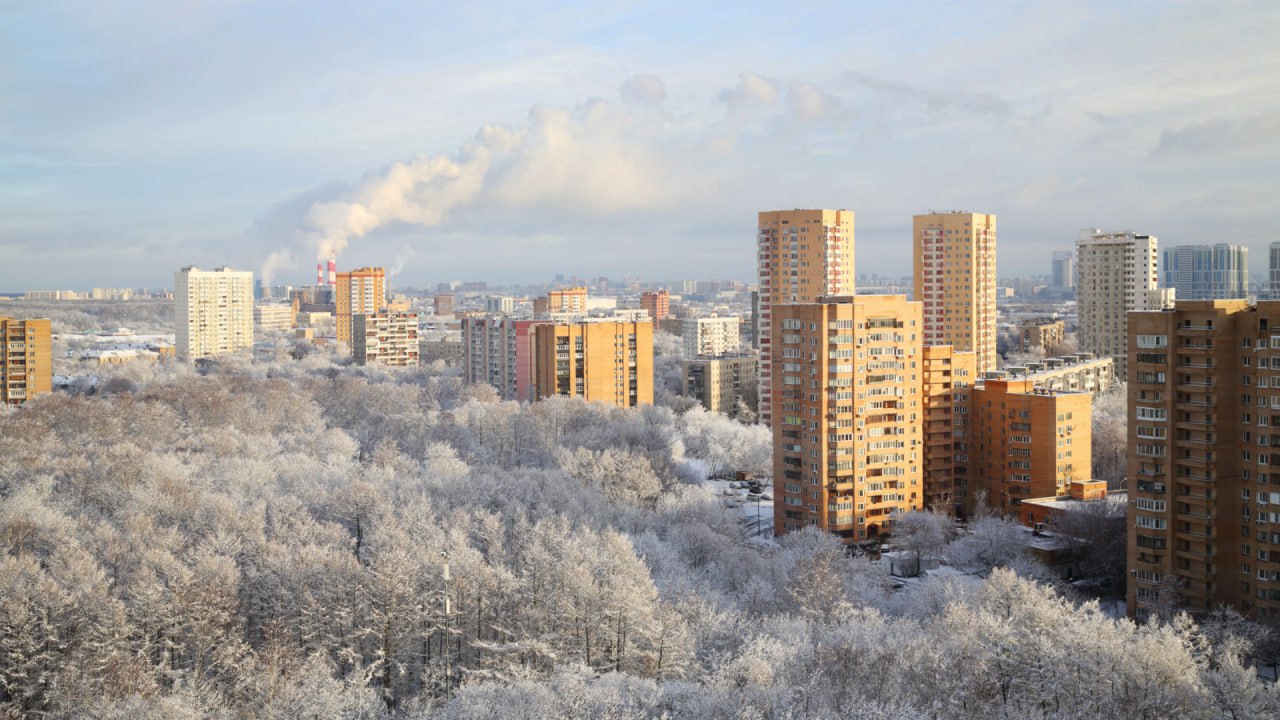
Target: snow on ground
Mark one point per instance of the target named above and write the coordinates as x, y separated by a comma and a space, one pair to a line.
755, 512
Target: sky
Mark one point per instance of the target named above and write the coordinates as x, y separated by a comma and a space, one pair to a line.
513, 141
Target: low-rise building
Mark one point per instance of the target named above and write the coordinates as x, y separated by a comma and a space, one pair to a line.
1079, 372
1041, 336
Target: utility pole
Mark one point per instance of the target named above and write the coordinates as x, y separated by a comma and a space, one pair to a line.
448, 631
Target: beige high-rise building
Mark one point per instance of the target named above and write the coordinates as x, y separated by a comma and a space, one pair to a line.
719, 382
358, 292
26, 359
955, 278
948, 379
801, 255
1204, 433
847, 404
213, 311
1117, 274
605, 361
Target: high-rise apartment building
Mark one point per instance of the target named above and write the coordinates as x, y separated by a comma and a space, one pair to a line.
1273, 271
213, 311
385, 339
846, 406
1063, 269
1204, 420
499, 304
1029, 442
1207, 272
569, 300
358, 292
26, 359
719, 382
801, 255
711, 336
500, 351
658, 303
955, 278
605, 361
948, 379
1118, 274
274, 316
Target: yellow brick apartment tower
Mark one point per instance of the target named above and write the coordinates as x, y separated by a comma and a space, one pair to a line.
1204, 437
846, 434
1029, 442
358, 292
605, 361
955, 278
26, 359
948, 386
801, 255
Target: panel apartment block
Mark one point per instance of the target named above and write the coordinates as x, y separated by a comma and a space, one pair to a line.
955, 278
213, 312
846, 433
26, 359
711, 336
801, 255
385, 339
718, 382
500, 351
601, 361
1117, 274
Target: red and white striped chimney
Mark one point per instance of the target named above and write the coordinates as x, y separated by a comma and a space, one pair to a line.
320, 274
333, 271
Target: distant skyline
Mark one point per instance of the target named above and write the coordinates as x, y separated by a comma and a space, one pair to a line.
506, 142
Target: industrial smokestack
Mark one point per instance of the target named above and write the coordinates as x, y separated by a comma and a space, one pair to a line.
333, 270
320, 274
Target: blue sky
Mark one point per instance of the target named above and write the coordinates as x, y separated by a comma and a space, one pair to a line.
509, 142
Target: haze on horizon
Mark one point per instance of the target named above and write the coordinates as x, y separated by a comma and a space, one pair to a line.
497, 141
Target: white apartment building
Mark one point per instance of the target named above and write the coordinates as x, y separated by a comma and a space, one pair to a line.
711, 336
385, 338
213, 311
273, 316
1118, 273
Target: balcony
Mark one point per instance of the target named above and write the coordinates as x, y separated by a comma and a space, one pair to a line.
1197, 461
1196, 555
1195, 349
1196, 479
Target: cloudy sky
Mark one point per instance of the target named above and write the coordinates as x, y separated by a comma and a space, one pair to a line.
509, 142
